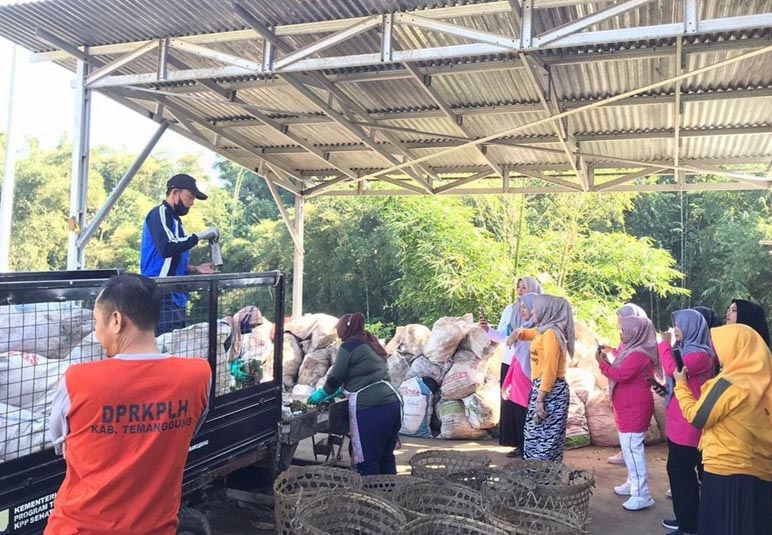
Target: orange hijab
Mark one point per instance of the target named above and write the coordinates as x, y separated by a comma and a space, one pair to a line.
747, 364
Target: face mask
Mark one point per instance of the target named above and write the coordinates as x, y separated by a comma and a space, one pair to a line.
180, 209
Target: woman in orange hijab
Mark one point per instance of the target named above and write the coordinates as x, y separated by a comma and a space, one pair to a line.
735, 414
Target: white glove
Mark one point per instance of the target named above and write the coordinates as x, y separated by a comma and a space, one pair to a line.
209, 234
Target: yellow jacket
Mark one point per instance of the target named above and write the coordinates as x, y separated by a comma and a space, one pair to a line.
734, 408
548, 359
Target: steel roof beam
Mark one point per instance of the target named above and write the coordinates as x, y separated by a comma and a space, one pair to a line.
282, 130
637, 188
511, 108
491, 44
116, 64
532, 142
545, 90
461, 182
284, 214
457, 121
332, 89
603, 166
192, 136
645, 172
561, 32
504, 62
644, 89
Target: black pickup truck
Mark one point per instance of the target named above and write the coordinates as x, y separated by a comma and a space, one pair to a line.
245, 403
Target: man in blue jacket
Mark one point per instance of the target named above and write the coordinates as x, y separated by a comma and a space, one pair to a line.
166, 248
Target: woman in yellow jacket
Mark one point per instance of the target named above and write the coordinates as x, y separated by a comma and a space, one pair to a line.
551, 341
735, 414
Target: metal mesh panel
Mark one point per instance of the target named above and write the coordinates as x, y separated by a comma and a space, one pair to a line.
38, 342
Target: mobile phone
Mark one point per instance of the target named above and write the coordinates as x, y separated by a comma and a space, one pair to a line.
481, 314
601, 347
660, 390
679, 361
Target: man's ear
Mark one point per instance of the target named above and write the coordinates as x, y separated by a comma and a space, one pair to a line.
117, 321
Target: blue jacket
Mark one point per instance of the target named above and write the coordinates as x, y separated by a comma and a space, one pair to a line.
165, 247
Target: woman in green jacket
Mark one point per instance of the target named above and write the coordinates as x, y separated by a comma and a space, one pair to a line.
375, 412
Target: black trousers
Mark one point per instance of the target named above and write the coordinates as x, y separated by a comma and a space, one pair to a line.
682, 465
512, 422
735, 505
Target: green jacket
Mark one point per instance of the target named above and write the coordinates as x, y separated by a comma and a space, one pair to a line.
356, 366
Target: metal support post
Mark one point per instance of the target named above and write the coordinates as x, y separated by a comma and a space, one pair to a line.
298, 264
9, 174
80, 150
123, 183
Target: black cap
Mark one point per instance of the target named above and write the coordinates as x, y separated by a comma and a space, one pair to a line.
187, 182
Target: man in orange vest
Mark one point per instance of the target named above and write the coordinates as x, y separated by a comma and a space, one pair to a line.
124, 424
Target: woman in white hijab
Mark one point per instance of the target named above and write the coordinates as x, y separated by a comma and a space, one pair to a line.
515, 369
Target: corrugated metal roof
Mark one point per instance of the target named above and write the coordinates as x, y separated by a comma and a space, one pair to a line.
467, 85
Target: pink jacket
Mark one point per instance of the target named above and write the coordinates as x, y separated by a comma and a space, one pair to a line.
518, 383
632, 399
700, 366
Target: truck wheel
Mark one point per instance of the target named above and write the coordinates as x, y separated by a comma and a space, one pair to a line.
193, 522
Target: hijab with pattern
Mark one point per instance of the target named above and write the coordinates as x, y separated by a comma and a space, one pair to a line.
640, 338
353, 326
554, 314
754, 316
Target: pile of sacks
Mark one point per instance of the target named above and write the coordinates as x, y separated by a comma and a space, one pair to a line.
38, 342
448, 378
310, 347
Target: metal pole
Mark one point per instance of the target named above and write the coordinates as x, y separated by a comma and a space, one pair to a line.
9, 174
87, 233
80, 152
298, 265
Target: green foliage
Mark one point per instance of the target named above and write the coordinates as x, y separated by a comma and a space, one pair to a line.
716, 245
449, 266
382, 331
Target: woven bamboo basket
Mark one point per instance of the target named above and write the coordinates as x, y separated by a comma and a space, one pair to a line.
420, 500
557, 487
527, 521
432, 464
450, 525
383, 486
346, 512
298, 483
492, 480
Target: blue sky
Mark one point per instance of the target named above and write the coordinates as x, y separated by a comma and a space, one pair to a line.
44, 104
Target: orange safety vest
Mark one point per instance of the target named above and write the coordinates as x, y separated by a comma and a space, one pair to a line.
130, 425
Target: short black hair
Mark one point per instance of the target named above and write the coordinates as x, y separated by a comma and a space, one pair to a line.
135, 296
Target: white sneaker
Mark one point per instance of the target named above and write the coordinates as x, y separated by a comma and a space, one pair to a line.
636, 503
619, 458
669, 494
623, 490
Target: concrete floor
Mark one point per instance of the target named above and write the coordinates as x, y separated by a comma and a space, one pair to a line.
608, 516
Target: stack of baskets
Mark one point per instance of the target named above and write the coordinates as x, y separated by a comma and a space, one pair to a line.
448, 493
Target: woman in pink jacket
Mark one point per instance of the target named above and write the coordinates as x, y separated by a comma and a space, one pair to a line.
683, 460
633, 403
